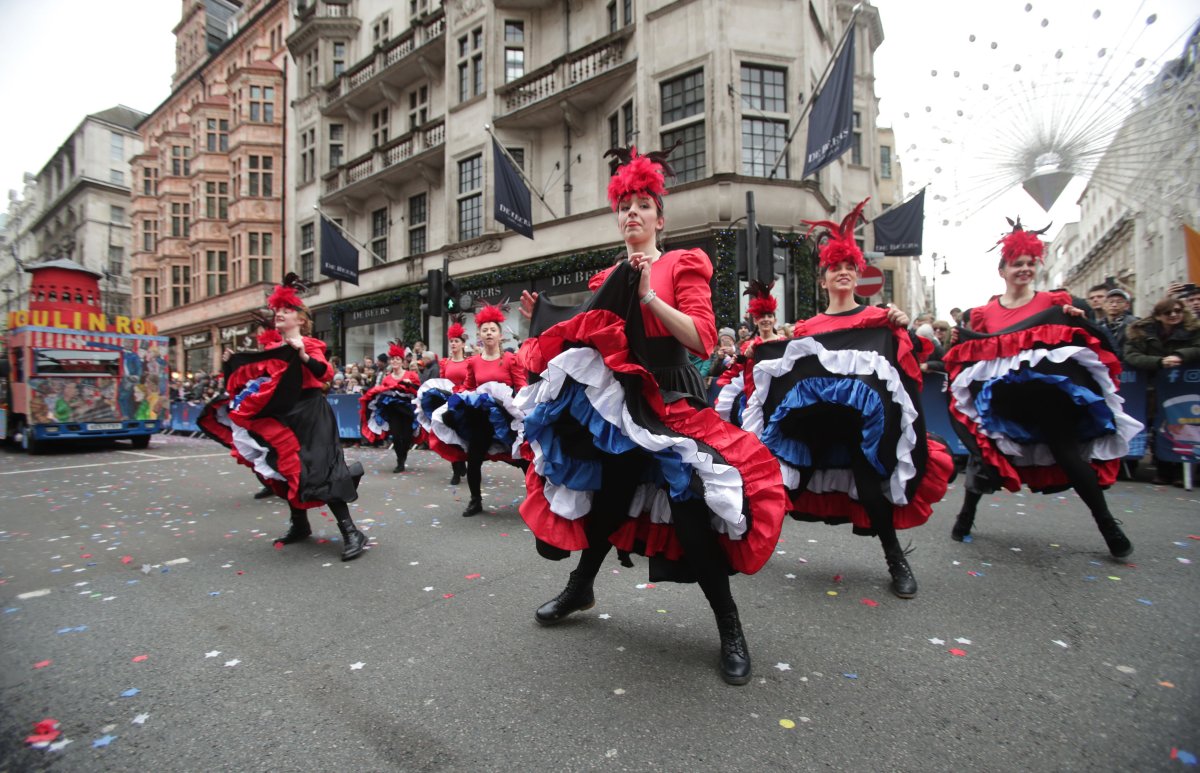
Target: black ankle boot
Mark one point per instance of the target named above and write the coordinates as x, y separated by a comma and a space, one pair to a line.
735, 654
1118, 544
298, 531
474, 507
264, 492
455, 479
399, 467
353, 541
577, 596
962, 526
904, 584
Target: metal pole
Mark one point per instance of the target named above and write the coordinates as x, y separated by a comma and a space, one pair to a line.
751, 239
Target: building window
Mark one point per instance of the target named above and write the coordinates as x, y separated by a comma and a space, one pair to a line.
379, 127
683, 121
379, 236
856, 140
337, 145
613, 18
262, 104
308, 155
216, 272
261, 178
216, 138
514, 50
116, 150
417, 8
149, 234
216, 201
149, 296
470, 65
621, 18
181, 165
307, 244
181, 220
116, 214
764, 133
627, 11
418, 214
418, 107
885, 162
116, 259
621, 129
181, 285
339, 58
311, 69
149, 181
470, 197
380, 30
261, 247
116, 177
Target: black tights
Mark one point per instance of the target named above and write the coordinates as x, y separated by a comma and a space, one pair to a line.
702, 551
340, 510
1082, 477
480, 430
870, 495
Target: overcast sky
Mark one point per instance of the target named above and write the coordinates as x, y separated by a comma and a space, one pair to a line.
63, 59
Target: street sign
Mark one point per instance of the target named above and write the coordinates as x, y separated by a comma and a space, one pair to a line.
871, 282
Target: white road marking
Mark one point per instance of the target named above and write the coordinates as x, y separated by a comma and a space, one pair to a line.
140, 453
109, 464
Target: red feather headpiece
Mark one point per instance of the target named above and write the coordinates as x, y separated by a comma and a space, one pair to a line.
269, 337
285, 297
489, 313
638, 174
1021, 242
761, 300
456, 331
396, 350
840, 245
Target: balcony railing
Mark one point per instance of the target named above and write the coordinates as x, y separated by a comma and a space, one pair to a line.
308, 9
381, 59
386, 156
565, 72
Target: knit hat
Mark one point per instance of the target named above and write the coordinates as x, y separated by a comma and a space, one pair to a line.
726, 331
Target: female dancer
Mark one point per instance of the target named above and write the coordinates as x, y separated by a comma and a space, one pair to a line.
623, 452
278, 423
1033, 388
840, 407
454, 370
734, 381
387, 409
479, 417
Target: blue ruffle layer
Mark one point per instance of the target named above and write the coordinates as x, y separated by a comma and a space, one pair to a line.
1097, 418
663, 468
252, 387
848, 392
459, 404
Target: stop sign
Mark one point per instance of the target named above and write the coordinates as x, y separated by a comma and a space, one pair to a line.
871, 282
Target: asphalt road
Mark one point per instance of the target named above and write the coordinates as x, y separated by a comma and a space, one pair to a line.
143, 607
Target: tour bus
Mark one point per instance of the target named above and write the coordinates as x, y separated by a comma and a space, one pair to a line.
75, 372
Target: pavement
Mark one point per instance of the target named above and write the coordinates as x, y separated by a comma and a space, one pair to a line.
144, 608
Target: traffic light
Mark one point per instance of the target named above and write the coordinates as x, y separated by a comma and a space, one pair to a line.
451, 293
431, 293
764, 256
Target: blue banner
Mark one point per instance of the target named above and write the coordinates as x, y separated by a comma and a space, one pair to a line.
184, 415
1133, 392
831, 122
900, 230
935, 404
345, 410
1177, 428
514, 206
339, 259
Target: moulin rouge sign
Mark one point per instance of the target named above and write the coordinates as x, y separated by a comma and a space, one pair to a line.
90, 322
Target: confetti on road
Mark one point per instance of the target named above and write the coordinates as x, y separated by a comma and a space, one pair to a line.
33, 594
956, 652
232, 663
604, 616
132, 691
619, 691
212, 654
937, 641
1186, 757
1061, 643
140, 719
869, 602
103, 741
1168, 685
357, 666
850, 676
783, 666
42, 664
787, 723
1127, 669
961, 640
140, 658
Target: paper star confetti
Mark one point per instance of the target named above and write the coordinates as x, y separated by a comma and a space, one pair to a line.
937, 641
957, 652
103, 741
869, 602
604, 616
790, 576
783, 667
357, 666
961, 640
140, 719
212, 654
231, 663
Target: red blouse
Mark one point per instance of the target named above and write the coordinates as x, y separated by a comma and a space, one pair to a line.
407, 376
316, 351
504, 369
455, 371
680, 278
994, 317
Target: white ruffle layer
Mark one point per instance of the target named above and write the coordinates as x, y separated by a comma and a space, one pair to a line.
728, 396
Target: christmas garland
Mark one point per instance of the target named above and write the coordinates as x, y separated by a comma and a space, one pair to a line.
802, 259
